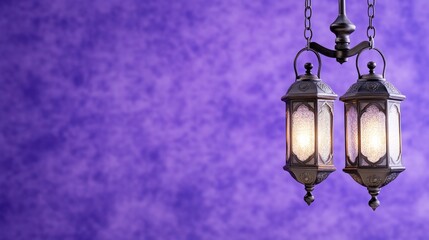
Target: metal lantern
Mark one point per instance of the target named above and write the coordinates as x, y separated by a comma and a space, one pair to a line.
372, 115
373, 131
309, 128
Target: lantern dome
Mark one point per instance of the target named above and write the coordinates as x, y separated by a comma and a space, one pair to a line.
372, 86
309, 85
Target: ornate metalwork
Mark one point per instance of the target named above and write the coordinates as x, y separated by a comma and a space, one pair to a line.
304, 86
311, 91
354, 88
321, 176
374, 203
324, 87
390, 178
391, 88
374, 180
309, 198
372, 86
307, 177
373, 90
370, 89
342, 27
357, 178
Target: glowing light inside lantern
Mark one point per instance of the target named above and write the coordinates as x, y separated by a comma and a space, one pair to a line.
303, 132
373, 134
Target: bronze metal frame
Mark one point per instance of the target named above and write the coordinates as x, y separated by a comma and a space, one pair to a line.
370, 89
342, 27
309, 90
373, 90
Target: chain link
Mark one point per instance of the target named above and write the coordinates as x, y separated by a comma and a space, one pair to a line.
370, 31
308, 12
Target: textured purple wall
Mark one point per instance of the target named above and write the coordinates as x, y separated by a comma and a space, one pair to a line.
163, 120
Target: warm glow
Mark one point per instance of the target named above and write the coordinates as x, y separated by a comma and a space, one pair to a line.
303, 132
373, 133
304, 139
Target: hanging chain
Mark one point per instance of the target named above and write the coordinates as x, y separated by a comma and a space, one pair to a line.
370, 31
308, 12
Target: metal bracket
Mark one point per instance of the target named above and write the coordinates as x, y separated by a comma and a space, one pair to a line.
342, 27
341, 55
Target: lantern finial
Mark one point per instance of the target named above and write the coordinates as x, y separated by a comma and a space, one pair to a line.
374, 202
309, 198
308, 66
371, 65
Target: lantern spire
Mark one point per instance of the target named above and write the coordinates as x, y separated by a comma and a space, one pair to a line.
374, 202
309, 198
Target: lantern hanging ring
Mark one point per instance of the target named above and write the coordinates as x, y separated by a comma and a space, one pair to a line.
318, 59
377, 50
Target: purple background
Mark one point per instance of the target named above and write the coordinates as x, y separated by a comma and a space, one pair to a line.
163, 120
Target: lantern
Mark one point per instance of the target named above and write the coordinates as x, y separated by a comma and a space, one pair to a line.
309, 128
373, 131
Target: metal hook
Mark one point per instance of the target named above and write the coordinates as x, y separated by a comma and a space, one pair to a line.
371, 42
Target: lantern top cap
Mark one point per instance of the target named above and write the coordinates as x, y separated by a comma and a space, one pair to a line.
372, 86
308, 74
309, 86
371, 75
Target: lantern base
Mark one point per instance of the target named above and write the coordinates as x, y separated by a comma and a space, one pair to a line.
373, 179
309, 177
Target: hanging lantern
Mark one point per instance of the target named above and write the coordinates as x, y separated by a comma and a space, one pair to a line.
309, 128
373, 131
372, 115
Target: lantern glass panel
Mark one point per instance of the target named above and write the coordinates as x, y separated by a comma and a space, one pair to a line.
352, 133
394, 134
303, 132
324, 132
287, 134
373, 133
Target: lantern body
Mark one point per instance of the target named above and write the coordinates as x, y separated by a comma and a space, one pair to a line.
309, 131
373, 133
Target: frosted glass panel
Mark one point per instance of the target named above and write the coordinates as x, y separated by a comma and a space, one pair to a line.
373, 130
287, 134
352, 134
324, 134
303, 132
394, 128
